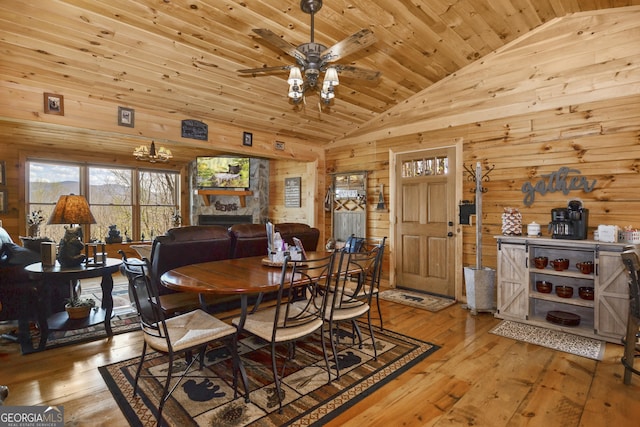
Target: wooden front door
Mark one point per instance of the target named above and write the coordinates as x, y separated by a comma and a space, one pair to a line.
425, 235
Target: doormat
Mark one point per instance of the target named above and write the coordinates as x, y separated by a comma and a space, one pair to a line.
556, 340
308, 399
428, 302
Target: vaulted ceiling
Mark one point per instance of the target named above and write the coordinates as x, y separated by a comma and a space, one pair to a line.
183, 56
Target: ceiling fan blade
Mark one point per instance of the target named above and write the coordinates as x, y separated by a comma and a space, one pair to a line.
351, 44
357, 73
280, 43
265, 69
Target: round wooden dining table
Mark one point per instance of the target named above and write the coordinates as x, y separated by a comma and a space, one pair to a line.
239, 276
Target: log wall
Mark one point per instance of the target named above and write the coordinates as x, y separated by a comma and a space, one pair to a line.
566, 95
601, 140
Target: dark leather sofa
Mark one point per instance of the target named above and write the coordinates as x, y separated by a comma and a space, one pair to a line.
17, 292
248, 240
201, 243
308, 235
187, 245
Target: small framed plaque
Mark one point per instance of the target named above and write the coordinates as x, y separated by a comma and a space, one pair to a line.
53, 104
247, 139
195, 129
126, 117
292, 192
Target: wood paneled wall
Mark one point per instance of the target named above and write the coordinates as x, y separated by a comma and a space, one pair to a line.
18, 143
601, 140
564, 95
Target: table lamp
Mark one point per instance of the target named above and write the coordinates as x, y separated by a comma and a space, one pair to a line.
71, 209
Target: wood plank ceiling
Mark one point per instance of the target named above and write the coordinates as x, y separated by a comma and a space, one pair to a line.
183, 56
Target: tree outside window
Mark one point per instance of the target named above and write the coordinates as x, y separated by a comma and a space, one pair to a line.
139, 202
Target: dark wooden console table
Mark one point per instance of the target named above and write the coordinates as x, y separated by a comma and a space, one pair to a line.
59, 276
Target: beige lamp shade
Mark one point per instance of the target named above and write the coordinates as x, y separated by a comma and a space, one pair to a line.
72, 209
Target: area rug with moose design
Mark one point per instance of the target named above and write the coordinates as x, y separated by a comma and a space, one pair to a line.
206, 397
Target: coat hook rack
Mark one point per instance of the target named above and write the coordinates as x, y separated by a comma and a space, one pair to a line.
473, 177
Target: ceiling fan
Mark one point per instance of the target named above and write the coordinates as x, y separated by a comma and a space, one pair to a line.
314, 58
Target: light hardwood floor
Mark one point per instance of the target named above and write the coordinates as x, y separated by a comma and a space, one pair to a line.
475, 379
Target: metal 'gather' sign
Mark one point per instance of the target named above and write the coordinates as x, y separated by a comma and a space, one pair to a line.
561, 180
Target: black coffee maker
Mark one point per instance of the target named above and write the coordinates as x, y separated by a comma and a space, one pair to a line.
569, 223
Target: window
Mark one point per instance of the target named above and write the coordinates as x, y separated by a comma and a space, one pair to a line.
110, 201
425, 167
157, 197
139, 202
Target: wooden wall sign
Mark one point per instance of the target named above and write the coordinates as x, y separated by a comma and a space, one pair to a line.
564, 179
195, 129
292, 192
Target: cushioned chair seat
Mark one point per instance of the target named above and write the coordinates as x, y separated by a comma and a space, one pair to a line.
190, 330
261, 324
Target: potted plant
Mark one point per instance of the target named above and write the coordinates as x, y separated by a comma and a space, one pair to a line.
79, 308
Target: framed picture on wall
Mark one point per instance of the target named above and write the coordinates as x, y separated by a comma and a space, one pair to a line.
247, 139
3, 201
126, 117
53, 104
3, 178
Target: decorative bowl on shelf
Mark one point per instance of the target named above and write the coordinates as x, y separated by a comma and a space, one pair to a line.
586, 292
564, 291
541, 261
544, 286
560, 264
585, 267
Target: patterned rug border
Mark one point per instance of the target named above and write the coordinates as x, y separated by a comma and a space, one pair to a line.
321, 412
429, 302
551, 338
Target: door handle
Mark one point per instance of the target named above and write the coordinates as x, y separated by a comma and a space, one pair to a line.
450, 234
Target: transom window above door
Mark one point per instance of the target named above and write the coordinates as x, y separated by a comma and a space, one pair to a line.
425, 167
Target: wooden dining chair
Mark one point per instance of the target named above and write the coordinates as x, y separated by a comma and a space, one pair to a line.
631, 340
292, 319
346, 303
184, 333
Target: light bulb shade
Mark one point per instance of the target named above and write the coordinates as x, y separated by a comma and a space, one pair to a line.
295, 77
295, 92
327, 95
327, 91
141, 152
331, 77
72, 209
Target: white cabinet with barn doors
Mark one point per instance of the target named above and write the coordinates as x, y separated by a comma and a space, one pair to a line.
603, 317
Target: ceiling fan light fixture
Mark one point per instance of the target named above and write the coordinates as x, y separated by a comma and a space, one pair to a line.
313, 60
151, 154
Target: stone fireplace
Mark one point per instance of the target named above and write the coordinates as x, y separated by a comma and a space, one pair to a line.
227, 209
